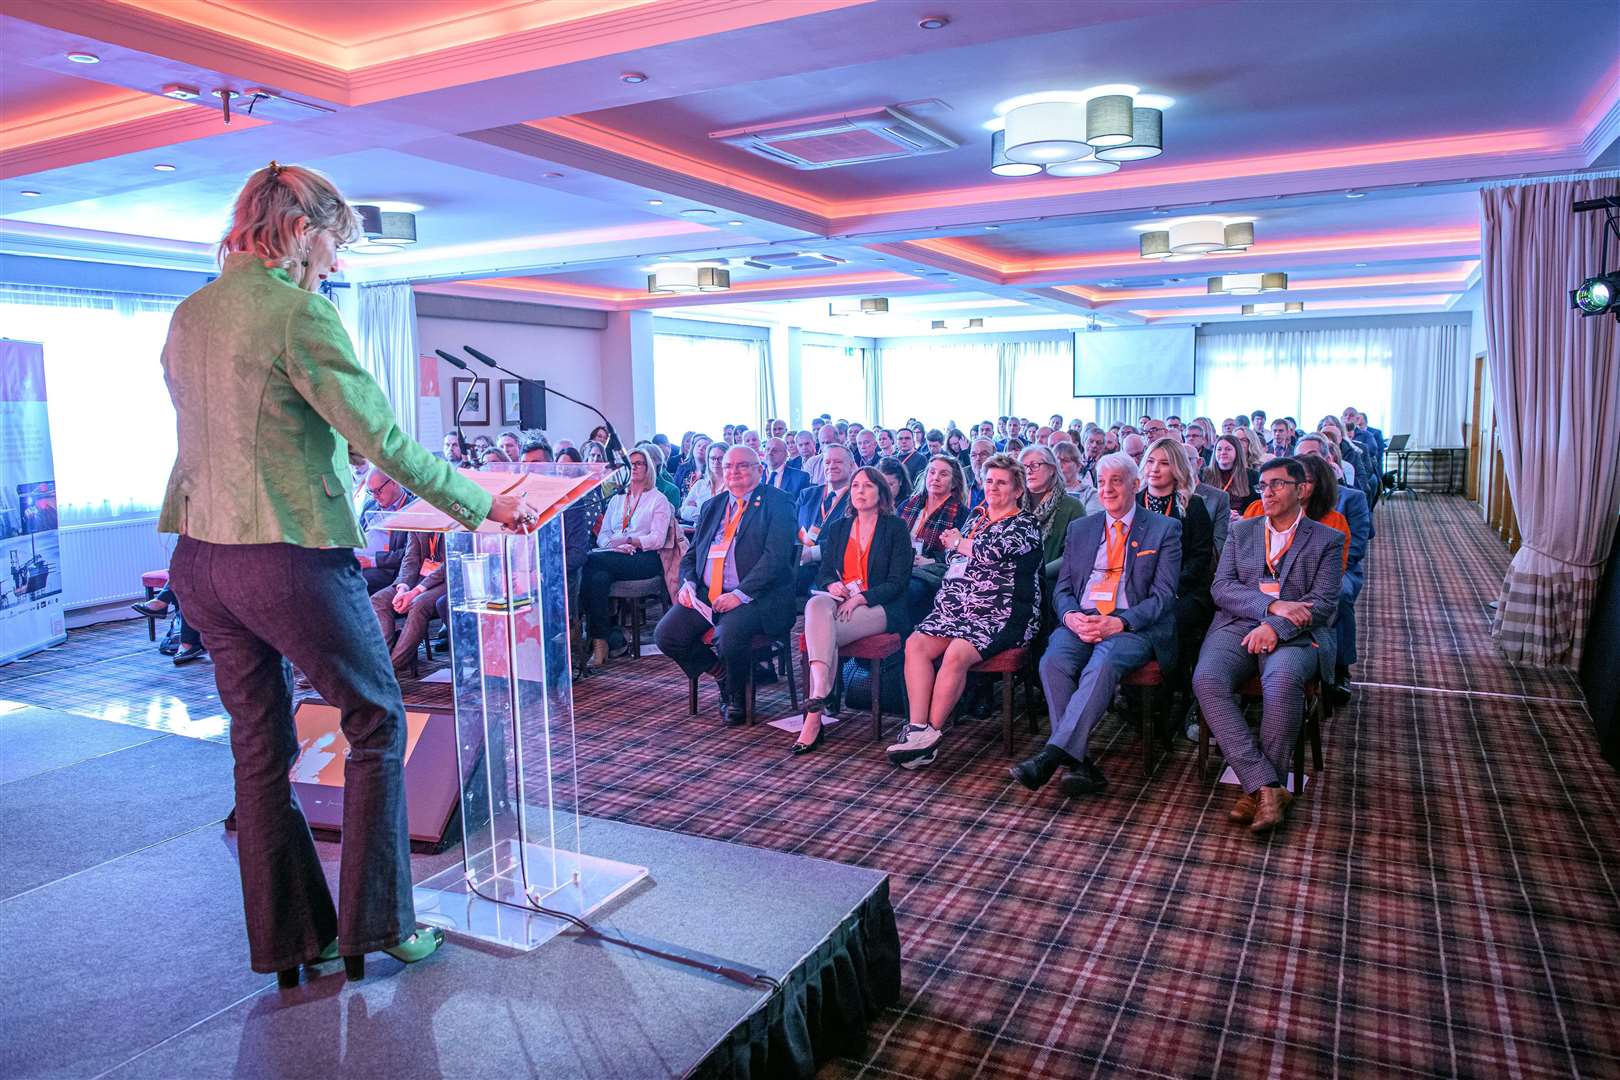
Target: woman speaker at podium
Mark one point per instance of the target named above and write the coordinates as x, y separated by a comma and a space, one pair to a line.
269, 398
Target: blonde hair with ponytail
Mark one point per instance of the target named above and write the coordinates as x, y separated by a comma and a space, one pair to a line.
278, 209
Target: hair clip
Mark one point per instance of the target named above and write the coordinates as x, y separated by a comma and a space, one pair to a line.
275, 168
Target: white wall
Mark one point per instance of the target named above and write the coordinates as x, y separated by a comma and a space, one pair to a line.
569, 359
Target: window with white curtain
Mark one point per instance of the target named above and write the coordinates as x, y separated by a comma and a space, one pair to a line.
1043, 381
112, 424
1303, 374
938, 383
832, 380
704, 383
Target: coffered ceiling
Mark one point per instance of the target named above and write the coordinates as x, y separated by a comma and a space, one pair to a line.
1354, 135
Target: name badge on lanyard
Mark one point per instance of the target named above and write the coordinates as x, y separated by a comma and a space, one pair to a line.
1271, 586
1100, 594
956, 568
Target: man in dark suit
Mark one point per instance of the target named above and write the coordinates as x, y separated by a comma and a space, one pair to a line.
1115, 603
906, 452
781, 474
739, 567
1357, 514
385, 548
819, 505
1276, 593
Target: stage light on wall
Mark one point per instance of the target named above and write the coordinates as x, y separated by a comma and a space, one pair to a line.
1596, 294
688, 278
1001, 164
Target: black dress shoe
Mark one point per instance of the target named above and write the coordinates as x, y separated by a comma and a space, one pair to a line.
1338, 694
734, 713
1084, 779
188, 653
1034, 772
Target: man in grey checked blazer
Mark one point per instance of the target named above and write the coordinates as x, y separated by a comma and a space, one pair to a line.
1276, 592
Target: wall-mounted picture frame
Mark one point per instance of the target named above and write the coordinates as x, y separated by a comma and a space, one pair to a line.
477, 410
510, 416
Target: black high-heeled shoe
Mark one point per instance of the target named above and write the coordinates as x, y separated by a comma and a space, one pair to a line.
818, 706
287, 978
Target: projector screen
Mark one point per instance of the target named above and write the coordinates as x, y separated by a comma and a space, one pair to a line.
1134, 363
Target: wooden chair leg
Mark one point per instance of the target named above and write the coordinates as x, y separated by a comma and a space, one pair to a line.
692, 688
786, 654
877, 699
151, 623
637, 620
1007, 711
804, 666
748, 695
1297, 780
1315, 722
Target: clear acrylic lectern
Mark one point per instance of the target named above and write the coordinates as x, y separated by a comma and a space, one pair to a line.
512, 680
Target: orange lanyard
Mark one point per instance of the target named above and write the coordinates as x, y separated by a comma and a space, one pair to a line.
1228, 485
984, 518
1273, 563
826, 506
629, 510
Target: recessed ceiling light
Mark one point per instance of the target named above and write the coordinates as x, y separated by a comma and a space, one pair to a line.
84, 58
634, 78
991, 228
733, 223
551, 176
1355, 194
697, 211
934, 22
29, 194
655, 202
163, 168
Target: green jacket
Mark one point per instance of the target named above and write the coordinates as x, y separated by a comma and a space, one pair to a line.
269, 397
1067, 513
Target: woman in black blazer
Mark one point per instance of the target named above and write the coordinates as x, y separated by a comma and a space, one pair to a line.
1168, 488
861, 589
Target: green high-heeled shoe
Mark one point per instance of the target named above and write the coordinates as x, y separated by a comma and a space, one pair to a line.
419, 946
288, 977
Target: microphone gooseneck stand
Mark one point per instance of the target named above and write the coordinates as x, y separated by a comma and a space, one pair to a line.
458, 362
615, 449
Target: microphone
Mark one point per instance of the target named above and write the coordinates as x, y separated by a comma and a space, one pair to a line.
459, 363
615, 449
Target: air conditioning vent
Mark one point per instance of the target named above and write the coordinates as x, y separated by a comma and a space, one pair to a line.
793, 260
826, 142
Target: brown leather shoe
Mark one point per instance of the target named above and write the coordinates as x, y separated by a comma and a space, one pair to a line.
1272, 809
1243, 810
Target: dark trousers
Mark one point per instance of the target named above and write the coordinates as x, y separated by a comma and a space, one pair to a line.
258, 606
402, 641
376, 577
602, 569
680, 637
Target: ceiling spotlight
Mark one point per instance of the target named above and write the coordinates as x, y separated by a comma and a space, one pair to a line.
84, 58
163, 168
1197, 236
1109, 120
181, 92
733, 223
1001, 164
697, 211
29, 194
1147, 138
1084, 167
1047, 131
1155, 245
634, 78
389, 228
1355, 194
1360, 265
934, 22
688, 278
1239, 237
655, 202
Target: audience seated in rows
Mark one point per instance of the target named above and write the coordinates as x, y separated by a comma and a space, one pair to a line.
415, 595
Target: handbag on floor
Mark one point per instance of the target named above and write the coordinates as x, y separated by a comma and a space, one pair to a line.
169, 644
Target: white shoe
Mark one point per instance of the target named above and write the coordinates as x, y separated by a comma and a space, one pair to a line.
917, 748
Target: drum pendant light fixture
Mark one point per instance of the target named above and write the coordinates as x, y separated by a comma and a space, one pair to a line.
1076, 132
1002, 165
688, 278
1046, 131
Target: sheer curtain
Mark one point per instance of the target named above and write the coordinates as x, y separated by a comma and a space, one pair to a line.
1041, 380
832, 380
1407, 379
112, 425
941, 382
704, 383
387, 346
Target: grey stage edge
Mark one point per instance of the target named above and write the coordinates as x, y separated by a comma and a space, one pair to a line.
128, 960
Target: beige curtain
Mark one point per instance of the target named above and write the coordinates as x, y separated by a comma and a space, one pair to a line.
1556, 378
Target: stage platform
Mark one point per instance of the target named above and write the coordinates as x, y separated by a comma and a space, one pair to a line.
120, 914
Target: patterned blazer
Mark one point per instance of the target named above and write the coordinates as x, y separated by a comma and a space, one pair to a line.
1311, 570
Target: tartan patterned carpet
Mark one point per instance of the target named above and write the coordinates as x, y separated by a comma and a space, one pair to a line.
1444, 901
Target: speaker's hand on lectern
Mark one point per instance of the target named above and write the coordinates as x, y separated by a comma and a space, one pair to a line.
513, 512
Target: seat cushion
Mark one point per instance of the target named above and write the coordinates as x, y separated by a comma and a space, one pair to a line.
155, 579
1146, 675
631, 590
871, 647
1002, 662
